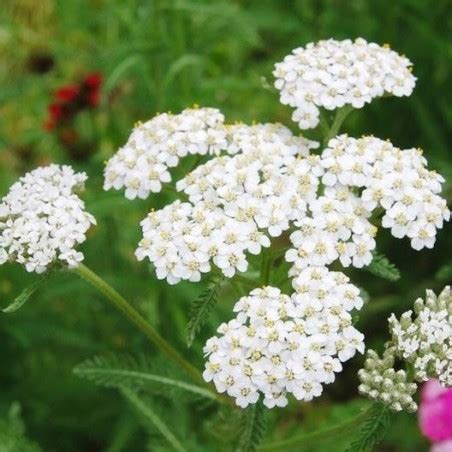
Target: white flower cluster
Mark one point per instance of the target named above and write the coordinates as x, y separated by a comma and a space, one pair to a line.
337, 228
424, 344
331, 74
279, 345
389, 178
233, 199
269, 180
426, 341
381, 382
141, 166
359, 176
42, 219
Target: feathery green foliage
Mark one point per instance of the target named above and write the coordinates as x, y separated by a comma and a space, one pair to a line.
201, 308
26, 294
12, 433
253, 428
133, 373
382, 267
372, 430
327, 435
145, 410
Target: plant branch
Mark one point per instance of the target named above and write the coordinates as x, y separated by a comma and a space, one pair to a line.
341, 114
136, 318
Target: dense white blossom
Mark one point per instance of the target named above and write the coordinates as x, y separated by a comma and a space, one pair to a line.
42, 220
234, 202
337, 228
269, 183
279, 345
142, 164
331, 74
395, 180
422, 344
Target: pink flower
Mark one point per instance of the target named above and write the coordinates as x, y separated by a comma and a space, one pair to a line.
435, 415
443, 446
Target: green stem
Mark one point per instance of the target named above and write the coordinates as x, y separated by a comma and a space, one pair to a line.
246, 281
305, 441
341, 114
265, 267
323, 123
135, 317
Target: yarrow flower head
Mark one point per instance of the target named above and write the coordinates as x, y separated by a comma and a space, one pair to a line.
42, 219
423, 343
360, 176
332, 74
233, 200
142, 165
279, 345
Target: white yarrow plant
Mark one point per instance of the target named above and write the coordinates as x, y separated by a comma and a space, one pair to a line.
267, 195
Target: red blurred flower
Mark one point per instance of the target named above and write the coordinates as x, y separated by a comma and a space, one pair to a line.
67, 93
72, 99
55, 110
93, 98
93, 80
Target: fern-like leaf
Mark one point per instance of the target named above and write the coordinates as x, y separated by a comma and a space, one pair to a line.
26, 294
382, 267
373, 429
201, 308
145, 410
253, 428
125, 371
12, 433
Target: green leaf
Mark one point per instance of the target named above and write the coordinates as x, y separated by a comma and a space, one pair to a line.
125, 371
184, 62
201, 308
380, 266
26, 294
120, 70
444, 273
253, 428
12, 433
150, 416
372, 430
305, 441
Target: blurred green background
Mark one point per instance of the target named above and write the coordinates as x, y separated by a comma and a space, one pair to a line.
155, 56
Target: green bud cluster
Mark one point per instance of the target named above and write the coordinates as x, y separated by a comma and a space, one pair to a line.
423, 343
381, 382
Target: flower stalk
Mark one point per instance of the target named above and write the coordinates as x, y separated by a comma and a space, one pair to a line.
137, 319
341, 115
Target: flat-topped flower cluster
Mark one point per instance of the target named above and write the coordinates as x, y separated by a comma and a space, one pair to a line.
332, 74
233, 199
42, 220
271, 183
279, 345
141, 165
